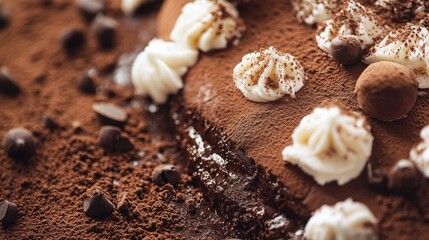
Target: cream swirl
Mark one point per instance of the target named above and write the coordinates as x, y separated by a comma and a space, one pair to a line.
420, 153
345, 220
408, 46
330, 145
354, 20
315, 11
157, 71
207, 25
268, 75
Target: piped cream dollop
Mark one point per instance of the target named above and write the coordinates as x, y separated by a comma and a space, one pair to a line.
354, 20
158, 70
315, 11
420, 153
408, 46
331, 145
347, 220
268, 75
208, 25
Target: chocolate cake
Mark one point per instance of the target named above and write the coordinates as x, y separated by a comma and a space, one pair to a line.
214, 119
234, 145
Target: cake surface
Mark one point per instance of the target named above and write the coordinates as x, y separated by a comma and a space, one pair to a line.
49, 189
262, 130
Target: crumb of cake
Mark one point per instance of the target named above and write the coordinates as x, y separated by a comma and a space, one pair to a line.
268, 75
331, 144
386, 91
344, 220
208, 25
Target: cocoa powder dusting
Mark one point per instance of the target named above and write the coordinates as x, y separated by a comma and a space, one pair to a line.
50, 188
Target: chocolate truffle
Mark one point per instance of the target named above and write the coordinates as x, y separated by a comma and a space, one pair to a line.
346, 50
405, 177
386, 91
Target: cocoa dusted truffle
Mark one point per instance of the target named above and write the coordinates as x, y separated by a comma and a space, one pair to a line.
346, 50
386, 91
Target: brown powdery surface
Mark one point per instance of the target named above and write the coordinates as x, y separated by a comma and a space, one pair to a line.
49, 189
262, 130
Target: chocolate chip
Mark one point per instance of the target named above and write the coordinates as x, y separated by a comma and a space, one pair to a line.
49, 122
7, 84
86, 83
346, 50
8, 213
104, 29
97, 205
88, 9
110, 114
124, 205
4, 17
72, 40
19, 143
376, 178
164, 174
405, 177
111, 139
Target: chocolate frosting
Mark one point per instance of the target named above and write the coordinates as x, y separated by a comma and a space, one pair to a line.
262, 130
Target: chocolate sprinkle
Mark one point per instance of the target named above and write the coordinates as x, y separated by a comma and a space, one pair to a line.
104, 29
19, 143
8, 213
110, 114
164, 174
7, 84
98, 206
72, 40
112, 140
87, 83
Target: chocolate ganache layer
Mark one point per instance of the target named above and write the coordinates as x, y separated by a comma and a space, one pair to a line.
250, 136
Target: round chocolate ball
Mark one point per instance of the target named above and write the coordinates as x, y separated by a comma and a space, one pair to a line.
346, 50
19, 143
386, 91
405, 177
